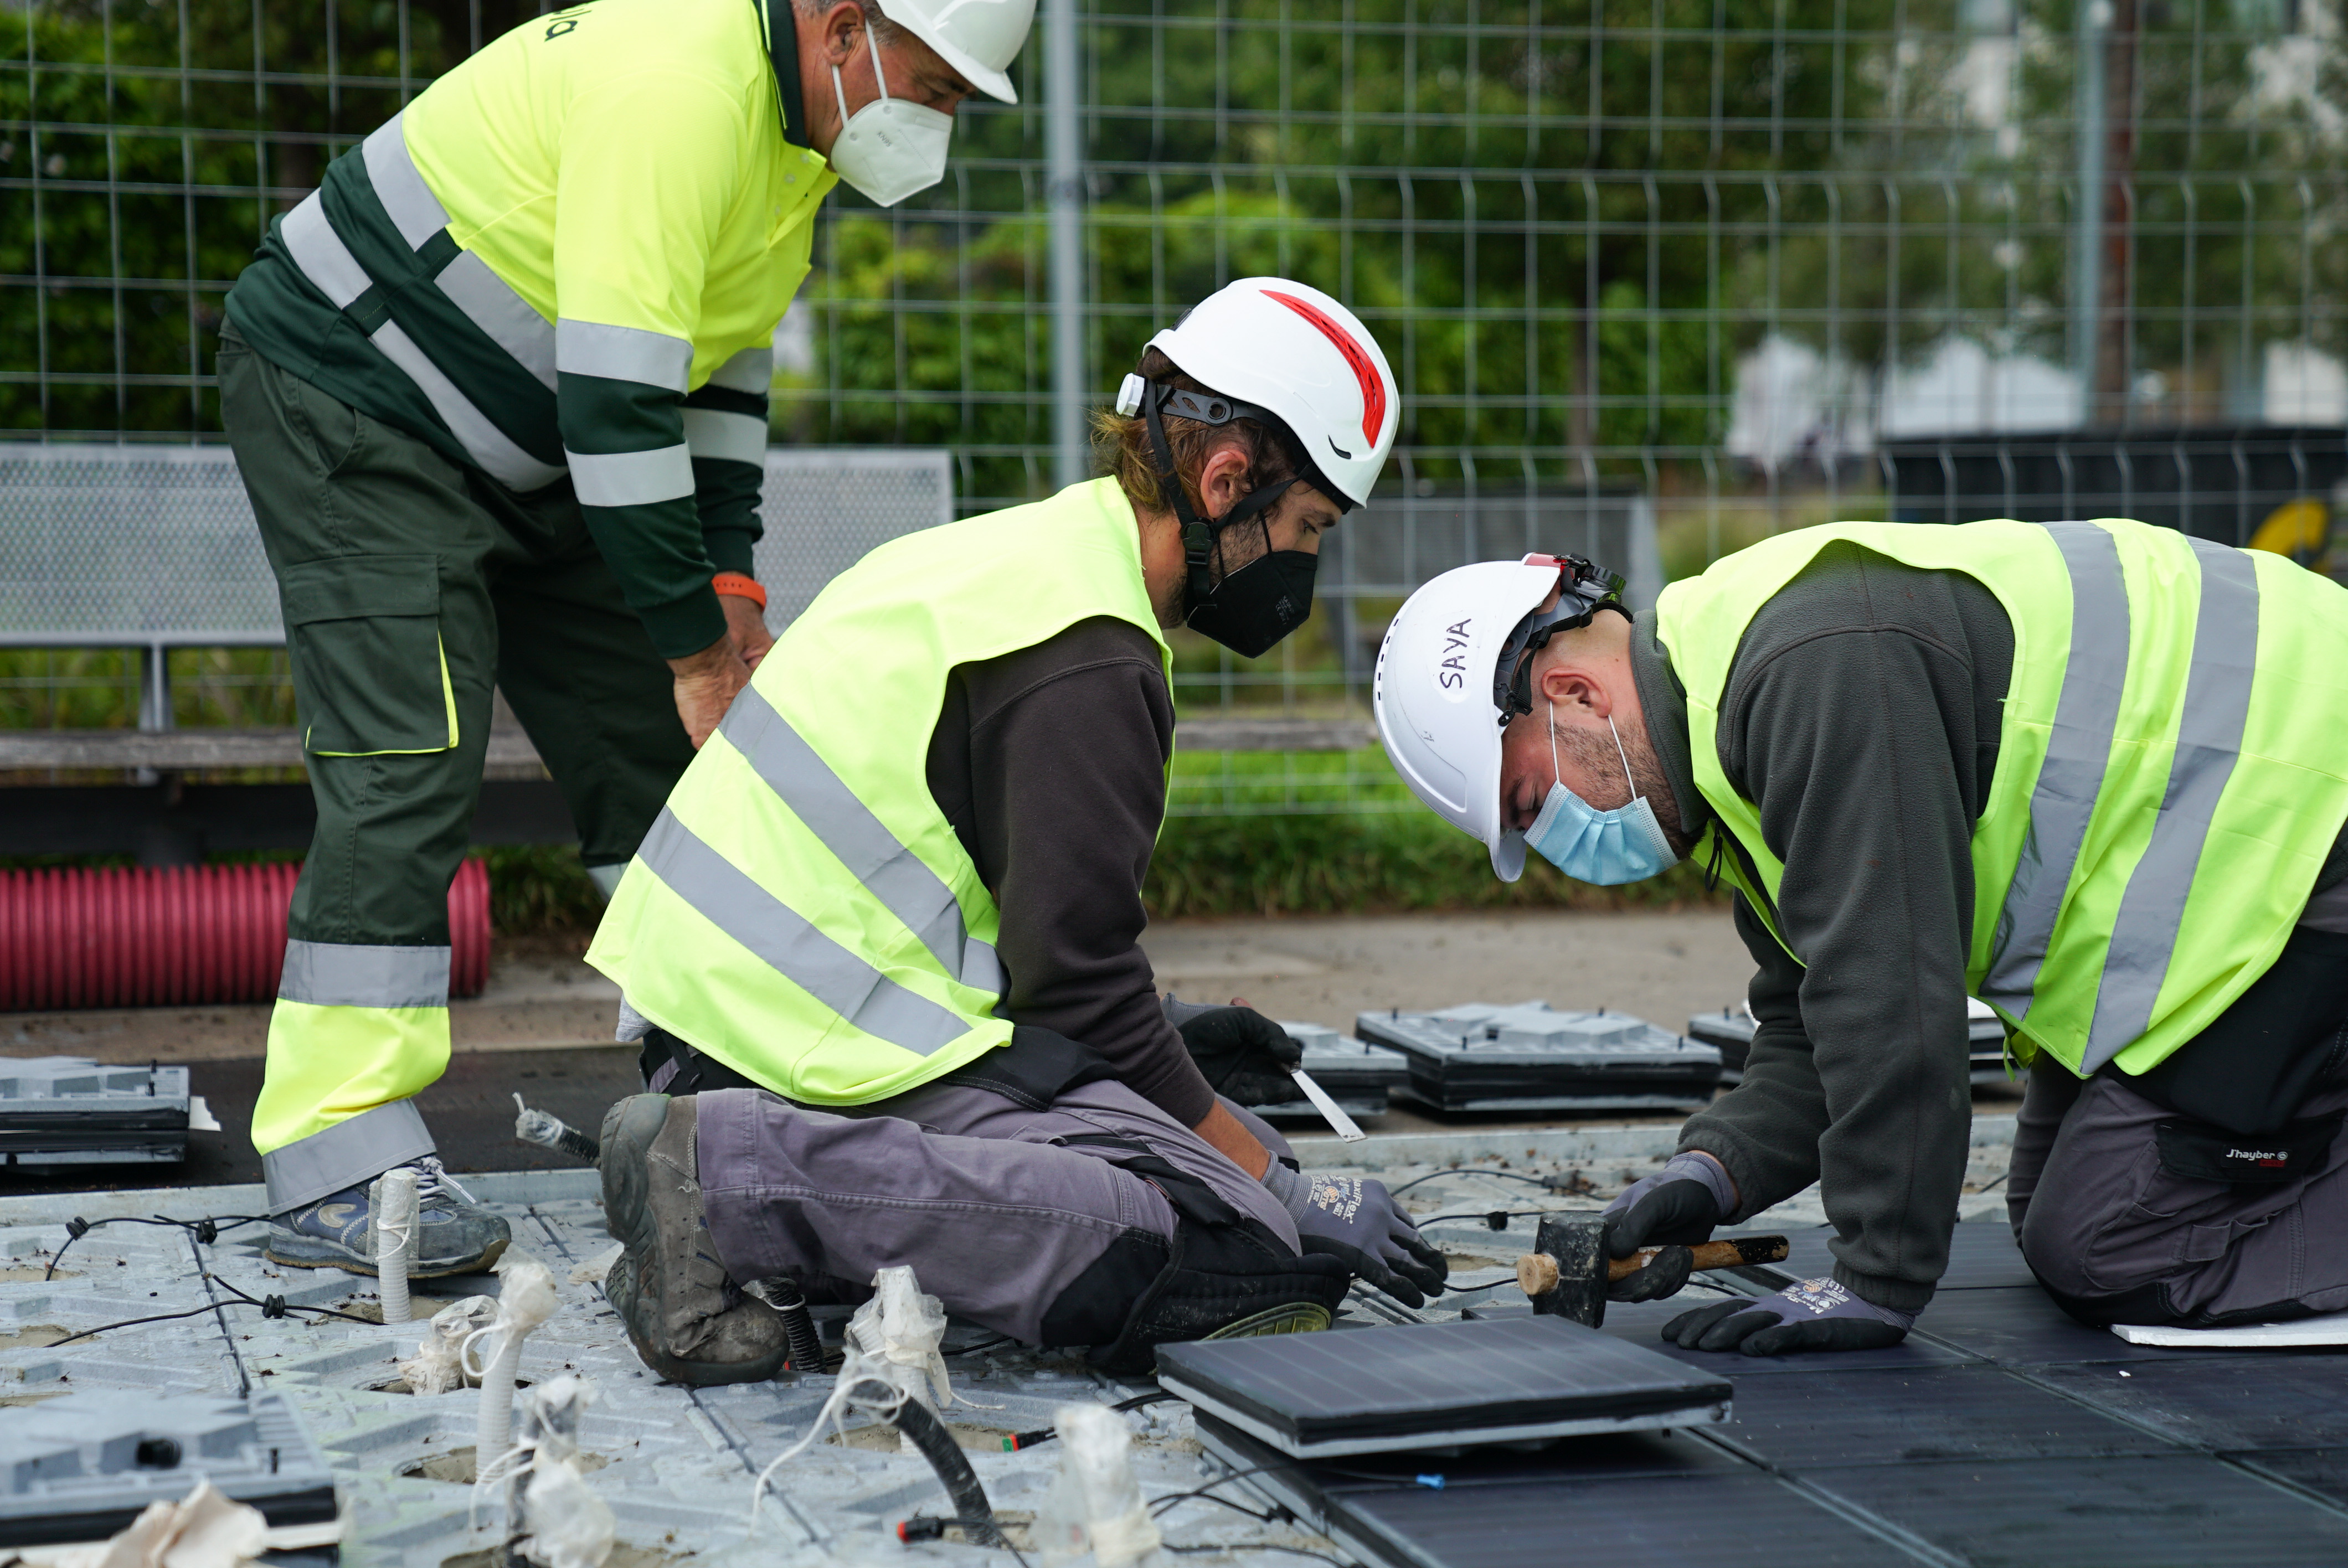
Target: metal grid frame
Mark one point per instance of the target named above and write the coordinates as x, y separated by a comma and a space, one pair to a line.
1580, 230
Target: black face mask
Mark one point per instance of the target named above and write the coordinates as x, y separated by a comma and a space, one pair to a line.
1258, 604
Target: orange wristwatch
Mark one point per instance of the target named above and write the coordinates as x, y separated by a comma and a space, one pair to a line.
740, 587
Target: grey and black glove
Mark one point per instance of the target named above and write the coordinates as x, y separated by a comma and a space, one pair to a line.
1243, 1054
1673, 1209
1815, 1315
1358, 1222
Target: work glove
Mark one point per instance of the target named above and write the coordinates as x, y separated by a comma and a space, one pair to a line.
1244, 1054
1358, 1223
1674, 1208
1814, 1315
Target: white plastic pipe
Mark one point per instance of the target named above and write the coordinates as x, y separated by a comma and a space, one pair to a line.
395, 1241
493, 1434
527, 1301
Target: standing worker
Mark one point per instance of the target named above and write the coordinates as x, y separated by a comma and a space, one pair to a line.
2093, 772
498, 391
886, 931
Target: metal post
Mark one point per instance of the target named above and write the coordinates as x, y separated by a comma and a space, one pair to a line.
2087, 238
1064, 186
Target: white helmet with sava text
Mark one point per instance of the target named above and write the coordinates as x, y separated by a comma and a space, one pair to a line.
1456, 666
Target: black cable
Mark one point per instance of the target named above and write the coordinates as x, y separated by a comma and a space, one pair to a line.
1503, 1215
1464, 1171
1468, 1289
1042, 1435
131, 1323
206, 1230
271, 1306
790, 1304
919, 1425
1173, 1497
997, 1342
1276, 1515
930, 1527
1262, 1546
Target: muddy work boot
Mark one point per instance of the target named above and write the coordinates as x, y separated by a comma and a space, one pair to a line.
454, 1234
687, 1319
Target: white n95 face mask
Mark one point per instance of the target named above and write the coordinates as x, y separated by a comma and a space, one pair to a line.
890, 149
1605, 849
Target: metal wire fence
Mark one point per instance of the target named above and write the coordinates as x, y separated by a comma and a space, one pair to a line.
1658, 278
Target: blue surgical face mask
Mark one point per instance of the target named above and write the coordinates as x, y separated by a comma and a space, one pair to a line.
1605, 849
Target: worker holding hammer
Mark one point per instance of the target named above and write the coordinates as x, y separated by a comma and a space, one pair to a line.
2091, 772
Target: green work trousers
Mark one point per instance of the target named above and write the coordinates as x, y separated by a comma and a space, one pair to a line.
412, 586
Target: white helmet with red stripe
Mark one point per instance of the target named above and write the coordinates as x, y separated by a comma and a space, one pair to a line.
1293, 351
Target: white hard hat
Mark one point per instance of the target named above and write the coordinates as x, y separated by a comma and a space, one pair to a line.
1441, 697
979, 39
1289, 348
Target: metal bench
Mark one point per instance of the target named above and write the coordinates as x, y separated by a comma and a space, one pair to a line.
154, 547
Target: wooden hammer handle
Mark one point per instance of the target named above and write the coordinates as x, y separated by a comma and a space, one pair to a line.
1537, 1271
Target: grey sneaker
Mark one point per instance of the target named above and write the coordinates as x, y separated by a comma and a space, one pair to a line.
454, 1234
687, 1319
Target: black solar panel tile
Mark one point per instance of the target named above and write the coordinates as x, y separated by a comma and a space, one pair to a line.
2322, 1471
1639, 1521
2023, 1328
1332, 1391
2163, 1512
1641, 1323
2248, 1400
1982, 1257
1900, 1417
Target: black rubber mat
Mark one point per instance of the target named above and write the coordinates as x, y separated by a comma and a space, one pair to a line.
2248, 1400
2023, 1328
2166, 1511
1901, 1418
2321, 1471
1638, 1522
1641, 1323
1982, 1257
471, 1111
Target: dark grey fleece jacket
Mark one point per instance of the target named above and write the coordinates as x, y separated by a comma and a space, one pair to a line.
1862, 715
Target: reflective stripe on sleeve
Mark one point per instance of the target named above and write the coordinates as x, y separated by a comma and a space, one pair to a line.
623, 354
2078, 751
2208, 740
415, 211
752, 370
631, 479
489, 302
862, 842
335, 974
714, 433
320, 254
728, 897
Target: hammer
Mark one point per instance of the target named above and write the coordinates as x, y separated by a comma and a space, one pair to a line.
1568, 1271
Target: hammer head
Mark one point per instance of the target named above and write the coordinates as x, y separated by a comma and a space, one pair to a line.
1573, 1243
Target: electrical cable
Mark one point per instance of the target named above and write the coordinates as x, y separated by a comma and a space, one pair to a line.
206, 1230
1502, 1215
1465, 1171
1156, 1504
919, 1425
1488, 1284
930, 1527
1018, 1441
271, 1306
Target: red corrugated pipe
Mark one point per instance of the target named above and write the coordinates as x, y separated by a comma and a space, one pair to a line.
142, 936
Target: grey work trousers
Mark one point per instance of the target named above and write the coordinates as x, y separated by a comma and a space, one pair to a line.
2116, 1236
989, 1201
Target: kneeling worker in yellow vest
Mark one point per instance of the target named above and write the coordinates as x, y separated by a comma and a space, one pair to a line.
498, 391
2091, 772
881, 944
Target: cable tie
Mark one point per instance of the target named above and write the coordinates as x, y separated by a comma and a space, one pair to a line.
206, 1232
76, 1228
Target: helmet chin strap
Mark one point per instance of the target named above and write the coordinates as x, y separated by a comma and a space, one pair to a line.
1199, 534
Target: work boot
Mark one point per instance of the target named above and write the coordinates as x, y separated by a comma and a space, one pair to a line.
454, 1234
685, 1314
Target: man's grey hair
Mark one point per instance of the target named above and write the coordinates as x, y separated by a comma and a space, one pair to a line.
884, 31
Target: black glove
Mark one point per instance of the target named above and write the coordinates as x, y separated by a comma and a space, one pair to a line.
1357, 1222
1673, 1209
1815, 1315
1244, 1054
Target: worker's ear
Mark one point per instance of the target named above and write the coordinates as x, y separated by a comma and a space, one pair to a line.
1570, 687
1223, 479
843, 31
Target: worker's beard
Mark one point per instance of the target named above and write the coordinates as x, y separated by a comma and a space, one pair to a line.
1591, 750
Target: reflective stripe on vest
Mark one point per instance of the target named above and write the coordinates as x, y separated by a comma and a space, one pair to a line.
791, 946
2169, 775
804, 911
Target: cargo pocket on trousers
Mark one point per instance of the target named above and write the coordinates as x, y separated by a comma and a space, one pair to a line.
370, 675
